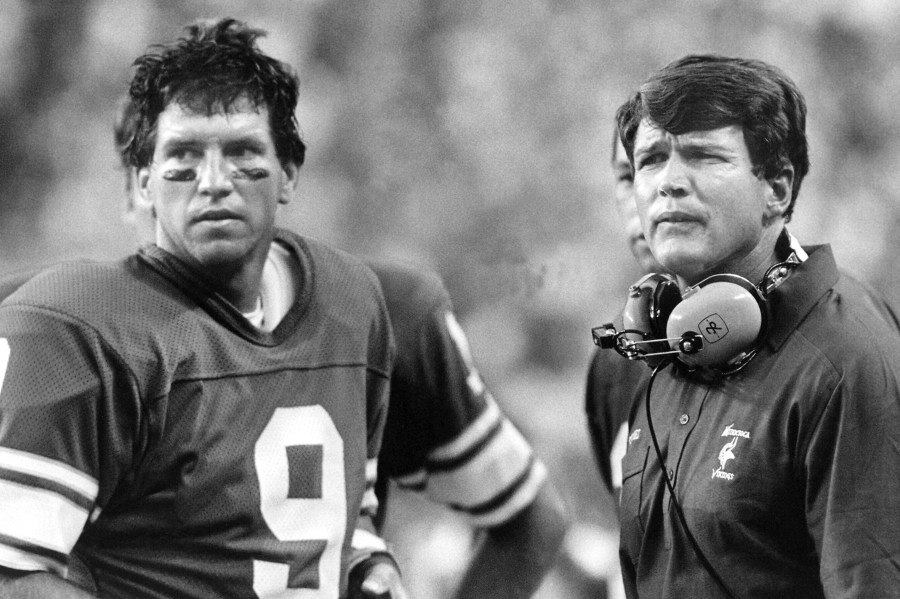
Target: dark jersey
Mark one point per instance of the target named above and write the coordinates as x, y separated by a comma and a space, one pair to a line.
445, 435
151, 435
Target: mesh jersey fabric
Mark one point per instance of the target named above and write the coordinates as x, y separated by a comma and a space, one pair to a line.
170, 448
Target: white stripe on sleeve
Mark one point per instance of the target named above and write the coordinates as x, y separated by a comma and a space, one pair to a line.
15, 559
486, 474
522, 498
470, 437
40, 517
51, 470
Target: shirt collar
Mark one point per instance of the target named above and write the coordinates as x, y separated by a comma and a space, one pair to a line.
793, 300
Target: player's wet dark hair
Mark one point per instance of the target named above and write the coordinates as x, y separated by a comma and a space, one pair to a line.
210, 69
702, 92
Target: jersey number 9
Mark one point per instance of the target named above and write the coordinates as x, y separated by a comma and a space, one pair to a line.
300, 464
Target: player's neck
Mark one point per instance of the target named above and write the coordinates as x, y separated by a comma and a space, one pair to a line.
240, 285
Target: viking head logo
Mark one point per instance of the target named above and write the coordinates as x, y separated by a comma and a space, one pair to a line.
725, 453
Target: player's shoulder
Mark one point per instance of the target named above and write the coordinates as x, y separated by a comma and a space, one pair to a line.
333, 269
408, 287
95, 291
59, 283
13, 281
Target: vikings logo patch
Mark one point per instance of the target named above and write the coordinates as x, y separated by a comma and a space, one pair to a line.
727, 451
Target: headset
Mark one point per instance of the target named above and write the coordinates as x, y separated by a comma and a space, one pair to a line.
716, 326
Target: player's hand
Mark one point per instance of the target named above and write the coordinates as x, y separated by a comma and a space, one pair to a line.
382, 581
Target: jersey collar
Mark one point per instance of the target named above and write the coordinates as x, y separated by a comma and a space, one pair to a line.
198, 289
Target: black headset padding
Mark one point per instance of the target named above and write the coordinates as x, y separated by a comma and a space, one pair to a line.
666, 295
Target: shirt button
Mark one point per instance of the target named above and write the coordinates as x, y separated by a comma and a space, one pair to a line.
684, 419
671, 473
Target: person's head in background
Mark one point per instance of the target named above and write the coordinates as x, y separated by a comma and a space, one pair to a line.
625, 206
719, 149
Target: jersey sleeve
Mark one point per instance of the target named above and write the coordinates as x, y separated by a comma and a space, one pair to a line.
381, 359
446, 436
851, 474
61, 391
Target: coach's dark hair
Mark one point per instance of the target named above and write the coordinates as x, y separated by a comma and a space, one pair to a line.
215, 65
702, 92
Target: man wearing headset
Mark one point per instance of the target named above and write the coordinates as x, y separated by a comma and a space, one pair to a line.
773, 472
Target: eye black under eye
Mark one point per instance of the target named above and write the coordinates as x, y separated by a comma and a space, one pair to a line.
179, 174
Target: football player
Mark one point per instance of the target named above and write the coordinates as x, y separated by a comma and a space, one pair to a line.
445, 435
202, 418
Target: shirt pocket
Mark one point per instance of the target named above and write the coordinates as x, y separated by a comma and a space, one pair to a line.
634, 463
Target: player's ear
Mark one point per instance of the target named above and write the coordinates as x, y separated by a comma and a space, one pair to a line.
781, 188
134, 201
288, 182
139, 202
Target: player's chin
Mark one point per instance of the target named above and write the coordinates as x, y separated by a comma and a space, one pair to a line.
221, 252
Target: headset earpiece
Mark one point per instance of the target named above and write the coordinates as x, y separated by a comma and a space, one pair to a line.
728, 312
649, 303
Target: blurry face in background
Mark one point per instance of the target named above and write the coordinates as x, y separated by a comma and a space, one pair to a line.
628, 214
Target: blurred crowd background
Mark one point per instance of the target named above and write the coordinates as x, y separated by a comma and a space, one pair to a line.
474, 137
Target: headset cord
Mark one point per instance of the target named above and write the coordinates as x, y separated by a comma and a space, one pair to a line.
687, 531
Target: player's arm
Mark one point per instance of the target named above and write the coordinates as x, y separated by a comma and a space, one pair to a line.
49, 473
15, 584
488, 471
512, 558
373, 572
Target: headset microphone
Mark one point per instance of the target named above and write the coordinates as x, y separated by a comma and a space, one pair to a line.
717, 324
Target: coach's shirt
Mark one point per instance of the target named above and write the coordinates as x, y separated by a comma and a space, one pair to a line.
789, 470
150, 435
445, 435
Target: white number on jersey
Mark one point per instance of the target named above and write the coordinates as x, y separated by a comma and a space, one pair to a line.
321, 519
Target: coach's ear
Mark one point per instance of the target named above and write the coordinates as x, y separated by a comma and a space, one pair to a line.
781, 189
